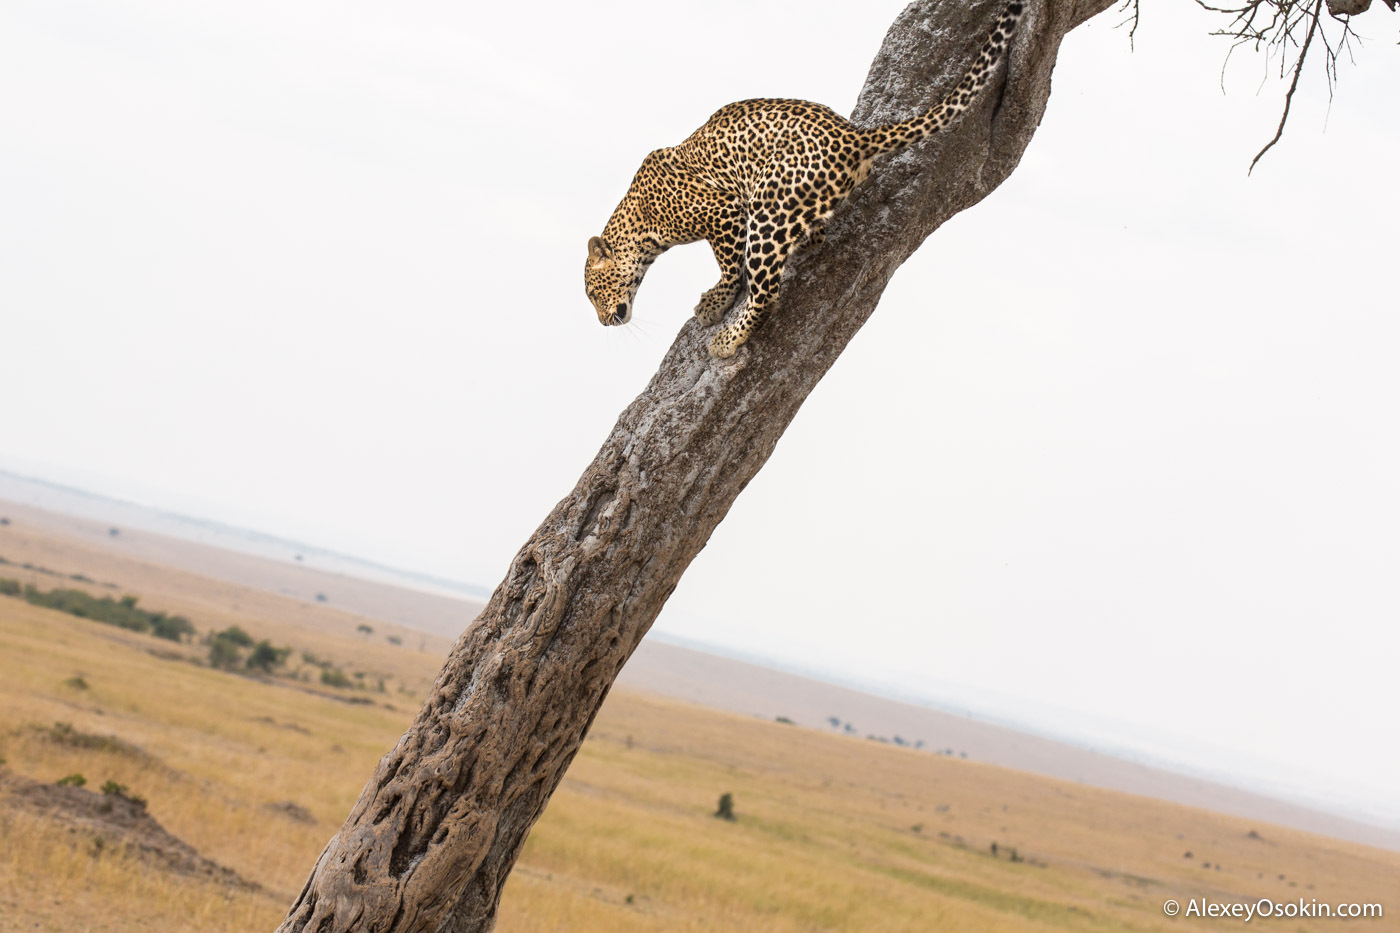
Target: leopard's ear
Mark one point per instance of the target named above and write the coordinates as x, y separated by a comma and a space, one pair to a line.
598, 250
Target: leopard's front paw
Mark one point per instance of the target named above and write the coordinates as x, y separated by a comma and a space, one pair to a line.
724, 344
816, 236
712, 306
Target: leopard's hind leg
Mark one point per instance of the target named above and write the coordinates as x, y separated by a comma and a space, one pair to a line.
775, 228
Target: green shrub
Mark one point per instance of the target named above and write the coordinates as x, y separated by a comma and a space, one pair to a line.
224, 653
264, 657
123, 613
10, 587
113, 789
77, 683
236, 636
726, 807
171, 628
72, 780
334, 677
63, 733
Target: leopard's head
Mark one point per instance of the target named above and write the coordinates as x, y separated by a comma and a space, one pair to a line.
610, 279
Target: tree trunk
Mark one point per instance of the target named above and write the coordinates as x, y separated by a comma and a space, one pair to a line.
438, 827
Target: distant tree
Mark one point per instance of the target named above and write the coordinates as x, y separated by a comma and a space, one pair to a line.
834, 721
264, 657
365, 629
236, 636
335, 677
726, 807
224, 653
172, 628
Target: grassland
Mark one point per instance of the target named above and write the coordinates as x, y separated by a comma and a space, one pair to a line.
832, 833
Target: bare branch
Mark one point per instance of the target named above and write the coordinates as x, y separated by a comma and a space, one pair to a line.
1275, 28
1297, 73
1135, 19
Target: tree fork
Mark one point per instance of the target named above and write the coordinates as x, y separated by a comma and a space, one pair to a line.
437, 829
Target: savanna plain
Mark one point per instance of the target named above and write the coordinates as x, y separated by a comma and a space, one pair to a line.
198, 794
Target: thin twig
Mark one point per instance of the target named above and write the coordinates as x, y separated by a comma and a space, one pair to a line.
1297, 73
1135, 19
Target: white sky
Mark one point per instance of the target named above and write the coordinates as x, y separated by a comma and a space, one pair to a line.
314, 269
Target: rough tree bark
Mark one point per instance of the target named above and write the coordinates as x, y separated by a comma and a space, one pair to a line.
438, 827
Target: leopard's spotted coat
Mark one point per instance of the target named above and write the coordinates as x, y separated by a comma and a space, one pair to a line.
757, 181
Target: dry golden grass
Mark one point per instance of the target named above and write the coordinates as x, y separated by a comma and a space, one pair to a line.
833, 833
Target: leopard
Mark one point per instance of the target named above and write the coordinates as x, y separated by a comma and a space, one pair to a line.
758, 181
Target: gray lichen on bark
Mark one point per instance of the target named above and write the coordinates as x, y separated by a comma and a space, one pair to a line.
435, 832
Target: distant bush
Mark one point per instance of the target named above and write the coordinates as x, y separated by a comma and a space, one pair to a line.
224, 653
264, 657
10, 587
113, 789
123, 613
726, 807
171, 628
77, 683
366, 629
785, 721
335, 677
394, 640
63, 733
72, 780
237, 636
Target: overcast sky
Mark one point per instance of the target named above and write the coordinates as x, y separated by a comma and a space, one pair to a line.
314, 268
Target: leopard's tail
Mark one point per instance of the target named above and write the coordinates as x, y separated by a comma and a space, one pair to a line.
881, 139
